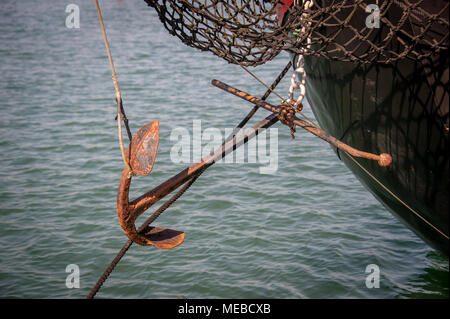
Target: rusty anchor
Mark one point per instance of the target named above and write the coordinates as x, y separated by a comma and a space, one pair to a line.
141, 155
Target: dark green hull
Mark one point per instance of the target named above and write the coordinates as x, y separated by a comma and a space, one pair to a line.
399, 109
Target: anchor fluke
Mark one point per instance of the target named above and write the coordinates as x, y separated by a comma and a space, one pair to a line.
142, 154
144, 146
163, 238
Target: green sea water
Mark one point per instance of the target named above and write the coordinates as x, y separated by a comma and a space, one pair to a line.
307, 231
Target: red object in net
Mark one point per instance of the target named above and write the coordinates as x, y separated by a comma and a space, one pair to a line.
281, 9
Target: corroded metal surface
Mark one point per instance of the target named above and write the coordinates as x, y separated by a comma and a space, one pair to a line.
142, 154
163, 238
127, 214
128, 211
144, 146
382, 159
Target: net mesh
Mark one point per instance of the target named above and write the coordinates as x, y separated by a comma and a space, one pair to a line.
249, 33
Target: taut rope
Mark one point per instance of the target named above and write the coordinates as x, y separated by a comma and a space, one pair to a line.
120, 111
396, 197
128, 244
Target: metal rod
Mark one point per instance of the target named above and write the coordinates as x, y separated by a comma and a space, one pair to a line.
143, 202
264, 97
383, 159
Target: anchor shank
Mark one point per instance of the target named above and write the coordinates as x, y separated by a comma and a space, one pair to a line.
143, 202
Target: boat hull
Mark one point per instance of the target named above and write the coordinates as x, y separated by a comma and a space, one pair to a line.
399, 109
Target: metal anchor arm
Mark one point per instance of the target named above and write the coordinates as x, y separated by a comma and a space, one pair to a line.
128, 211
146, 200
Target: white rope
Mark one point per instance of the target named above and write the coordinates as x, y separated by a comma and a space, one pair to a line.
299, 71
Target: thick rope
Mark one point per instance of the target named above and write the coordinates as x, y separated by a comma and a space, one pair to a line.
128, 244
120, 111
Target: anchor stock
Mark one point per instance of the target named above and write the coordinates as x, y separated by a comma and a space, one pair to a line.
383, 159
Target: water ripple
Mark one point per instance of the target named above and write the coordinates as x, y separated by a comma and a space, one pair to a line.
307, 231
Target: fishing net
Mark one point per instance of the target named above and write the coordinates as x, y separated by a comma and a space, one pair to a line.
250, 32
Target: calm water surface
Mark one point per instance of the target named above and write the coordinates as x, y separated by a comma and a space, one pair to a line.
308, 231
